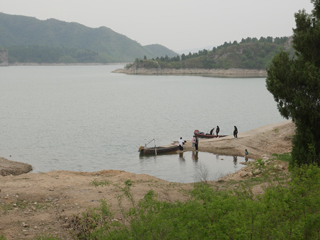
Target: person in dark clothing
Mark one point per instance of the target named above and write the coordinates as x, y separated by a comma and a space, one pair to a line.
235, 132
196, 143
211, 131
217, 131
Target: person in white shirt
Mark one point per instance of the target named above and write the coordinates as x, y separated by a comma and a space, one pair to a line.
181, 142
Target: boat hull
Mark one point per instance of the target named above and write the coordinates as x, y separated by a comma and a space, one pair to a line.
202, 135
158, 150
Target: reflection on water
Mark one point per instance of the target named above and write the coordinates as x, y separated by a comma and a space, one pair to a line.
235, 160
189, 164
181, 157
195, 156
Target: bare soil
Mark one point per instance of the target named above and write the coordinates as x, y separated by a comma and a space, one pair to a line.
33, 204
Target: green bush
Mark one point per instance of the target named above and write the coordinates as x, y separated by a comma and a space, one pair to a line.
285, 211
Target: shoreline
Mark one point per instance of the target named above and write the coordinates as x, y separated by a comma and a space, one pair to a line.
46, 203
260, 142
231, 72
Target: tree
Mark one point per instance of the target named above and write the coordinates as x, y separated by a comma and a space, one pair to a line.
295, 85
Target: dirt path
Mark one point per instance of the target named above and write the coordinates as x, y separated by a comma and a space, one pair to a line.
44, 203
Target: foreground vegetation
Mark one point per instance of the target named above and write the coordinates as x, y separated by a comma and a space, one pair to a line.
294, 83
289, 208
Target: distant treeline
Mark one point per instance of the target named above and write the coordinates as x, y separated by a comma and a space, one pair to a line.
45, 54
250, 53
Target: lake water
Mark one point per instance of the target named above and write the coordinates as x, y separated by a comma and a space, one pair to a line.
85, 118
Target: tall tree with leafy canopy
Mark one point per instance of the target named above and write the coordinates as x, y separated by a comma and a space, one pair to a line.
295, 85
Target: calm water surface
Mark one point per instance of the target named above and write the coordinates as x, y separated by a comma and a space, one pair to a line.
85, 118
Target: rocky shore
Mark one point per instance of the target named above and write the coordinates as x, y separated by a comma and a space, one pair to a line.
232, 72
8, 167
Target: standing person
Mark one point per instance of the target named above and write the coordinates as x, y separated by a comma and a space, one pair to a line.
211, 131
181, 142
217, 131
193, 142
196, 143
246, 153
235, 132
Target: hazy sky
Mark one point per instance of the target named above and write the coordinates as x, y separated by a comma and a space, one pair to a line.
176, 24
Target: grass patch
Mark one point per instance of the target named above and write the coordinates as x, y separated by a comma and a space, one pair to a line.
285, 157
99, 183
288, 209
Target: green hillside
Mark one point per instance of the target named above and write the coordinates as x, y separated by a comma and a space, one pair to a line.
160, 51
250, 53
27, 34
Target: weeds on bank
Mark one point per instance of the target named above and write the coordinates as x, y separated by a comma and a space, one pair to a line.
101, 183
288, 209
286, 157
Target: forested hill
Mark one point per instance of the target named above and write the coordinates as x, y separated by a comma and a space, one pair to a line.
250, 53
31, 40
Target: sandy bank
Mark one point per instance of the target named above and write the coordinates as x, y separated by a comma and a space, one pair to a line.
260, 142
232, 72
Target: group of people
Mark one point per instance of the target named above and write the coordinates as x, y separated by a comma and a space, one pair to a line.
235, 131
195, 141
217, 131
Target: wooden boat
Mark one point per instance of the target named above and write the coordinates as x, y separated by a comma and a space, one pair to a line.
158, 150
199, 134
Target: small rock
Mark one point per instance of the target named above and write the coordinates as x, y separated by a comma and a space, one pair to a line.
256, 172
25, 225
243, 174
278, 167
66, 225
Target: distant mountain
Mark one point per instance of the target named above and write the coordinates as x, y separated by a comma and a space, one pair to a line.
160, 51
29, 36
